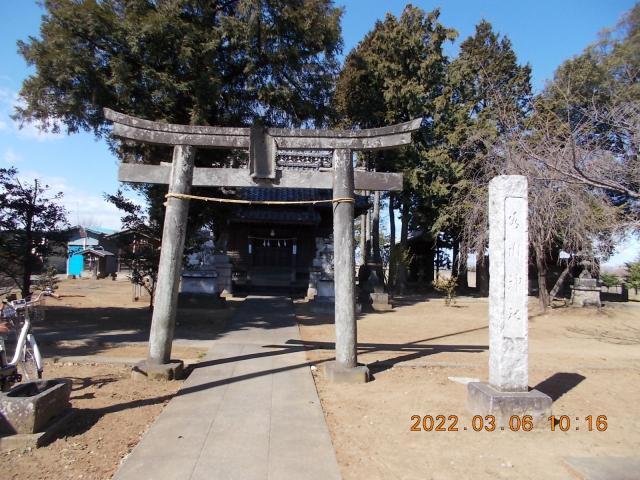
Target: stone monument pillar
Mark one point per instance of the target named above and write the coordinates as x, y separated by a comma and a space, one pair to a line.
507, 392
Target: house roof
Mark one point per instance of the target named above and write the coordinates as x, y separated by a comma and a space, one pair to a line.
96, 252
84, 231
128, 231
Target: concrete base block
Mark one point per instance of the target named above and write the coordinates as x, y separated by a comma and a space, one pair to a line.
145, 370
28, 407
22, 441
380, 302
324, 305
483, 400
582, 297
226, 293
336, 373
312, 291
381, 307
200, 300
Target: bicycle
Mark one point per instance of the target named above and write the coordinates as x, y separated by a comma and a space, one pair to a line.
27, 360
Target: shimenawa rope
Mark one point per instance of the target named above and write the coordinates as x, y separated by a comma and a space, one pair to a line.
185, 196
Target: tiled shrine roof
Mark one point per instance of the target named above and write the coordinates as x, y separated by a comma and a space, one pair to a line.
294, 195
306, 215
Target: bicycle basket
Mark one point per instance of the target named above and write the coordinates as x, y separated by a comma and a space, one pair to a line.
36, 311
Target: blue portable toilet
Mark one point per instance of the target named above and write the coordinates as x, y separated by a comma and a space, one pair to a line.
75, 262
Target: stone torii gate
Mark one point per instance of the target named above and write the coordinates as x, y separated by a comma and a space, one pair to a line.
263, 145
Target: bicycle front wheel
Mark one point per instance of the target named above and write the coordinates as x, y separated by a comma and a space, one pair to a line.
30, 362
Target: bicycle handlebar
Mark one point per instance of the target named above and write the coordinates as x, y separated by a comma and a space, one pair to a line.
46, 293
31, 302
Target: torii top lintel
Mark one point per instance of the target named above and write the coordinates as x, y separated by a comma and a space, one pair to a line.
262, 143
146, 131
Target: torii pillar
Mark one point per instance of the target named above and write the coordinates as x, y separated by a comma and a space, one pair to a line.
345, 368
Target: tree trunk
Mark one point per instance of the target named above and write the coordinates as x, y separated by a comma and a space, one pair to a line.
392, 240
26, 274
459, 266
438, 257
375, 228
482, 273
455, 259
27, 263
367, 243
561, 279
363, 238
463, 280
543, 293
401, 281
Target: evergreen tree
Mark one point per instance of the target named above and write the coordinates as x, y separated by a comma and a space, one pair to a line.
486, 88
192, 62
396, 73
182, 61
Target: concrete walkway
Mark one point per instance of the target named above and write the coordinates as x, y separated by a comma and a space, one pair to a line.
250, 411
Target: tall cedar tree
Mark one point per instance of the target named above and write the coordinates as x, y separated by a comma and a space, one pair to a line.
485, 84
397, 73
192, 62
30, 219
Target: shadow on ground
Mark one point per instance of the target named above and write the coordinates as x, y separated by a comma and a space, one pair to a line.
559, 383
67, 331
131, 324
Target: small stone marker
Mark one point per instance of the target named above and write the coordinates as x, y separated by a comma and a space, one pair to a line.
507, 392
585, 291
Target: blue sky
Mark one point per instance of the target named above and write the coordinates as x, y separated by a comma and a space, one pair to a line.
544, 33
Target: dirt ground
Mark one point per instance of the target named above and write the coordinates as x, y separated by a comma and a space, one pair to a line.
588, 361
93, 323
111, 414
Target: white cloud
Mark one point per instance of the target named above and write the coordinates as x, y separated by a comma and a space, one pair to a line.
28, 131
84, 208
11, 157
32, 131
7, 96
627, 250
